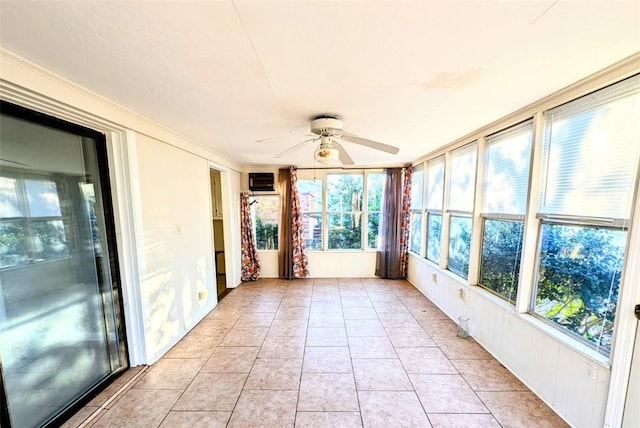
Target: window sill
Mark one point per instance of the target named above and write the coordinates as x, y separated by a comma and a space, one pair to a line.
341, 251
556, 334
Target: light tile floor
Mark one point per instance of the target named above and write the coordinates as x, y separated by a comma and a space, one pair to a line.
322, 353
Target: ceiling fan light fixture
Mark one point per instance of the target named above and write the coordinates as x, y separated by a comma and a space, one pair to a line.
327, 154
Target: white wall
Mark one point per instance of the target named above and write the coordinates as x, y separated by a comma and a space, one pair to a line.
570, 382
322, 264
175, 250
326, 264
231, 213
161, 193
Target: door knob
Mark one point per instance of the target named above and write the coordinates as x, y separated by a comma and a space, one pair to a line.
637, 312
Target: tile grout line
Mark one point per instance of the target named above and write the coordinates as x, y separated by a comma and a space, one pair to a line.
261, 291
115, 395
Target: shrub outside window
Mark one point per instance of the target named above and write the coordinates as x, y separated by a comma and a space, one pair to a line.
375, 201
501, 253
344, 211
266, 215
506, 178
434, 226
462, 173
433, 205
459, 245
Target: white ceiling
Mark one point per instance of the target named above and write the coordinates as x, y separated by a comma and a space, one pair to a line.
415, 74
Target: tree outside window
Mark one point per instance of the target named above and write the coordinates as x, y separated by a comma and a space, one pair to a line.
375, 193
344, 211
591, 150
310, 192
266, 217
506, 185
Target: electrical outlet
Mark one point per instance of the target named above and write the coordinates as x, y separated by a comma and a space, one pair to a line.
460, 293
202, 295
434, 278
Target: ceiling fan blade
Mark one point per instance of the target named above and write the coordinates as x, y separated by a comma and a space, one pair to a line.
283, 136
369, 143
14, 162
344, 156
296, 147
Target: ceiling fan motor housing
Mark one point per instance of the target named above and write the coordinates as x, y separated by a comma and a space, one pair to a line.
325, 125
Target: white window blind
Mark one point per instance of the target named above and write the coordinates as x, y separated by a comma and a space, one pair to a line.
417, 187
462, 178
435, 183
506, 178
590, 154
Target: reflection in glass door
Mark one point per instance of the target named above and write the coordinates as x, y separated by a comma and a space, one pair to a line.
60, 320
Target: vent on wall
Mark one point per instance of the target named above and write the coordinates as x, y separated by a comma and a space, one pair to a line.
261, 181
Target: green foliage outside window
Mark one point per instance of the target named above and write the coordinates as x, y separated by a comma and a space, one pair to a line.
501, 250
266, 217
375, 191
459, 245
344, 210
578, 279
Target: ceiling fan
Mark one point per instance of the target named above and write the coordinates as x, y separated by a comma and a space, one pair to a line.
330, 133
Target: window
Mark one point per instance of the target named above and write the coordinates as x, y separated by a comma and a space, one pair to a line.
462, 173
375, 201
266, 215
590, 153
338, 214
310, 192
344, 211
31, 223
434, 226
417, 190
435, 192
506, 178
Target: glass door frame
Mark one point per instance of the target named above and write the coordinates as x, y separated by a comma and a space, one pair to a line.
19, 112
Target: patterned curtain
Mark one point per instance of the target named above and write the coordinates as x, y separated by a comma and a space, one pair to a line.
250, 263
391, 261
292, 257
405, 222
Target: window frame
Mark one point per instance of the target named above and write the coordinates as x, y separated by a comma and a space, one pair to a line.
542, 217
455, 212
575, 222
440, 161
367, 212
321, 213
527, 125
254, 218
419, 211
353, 213
27, 220
322, 176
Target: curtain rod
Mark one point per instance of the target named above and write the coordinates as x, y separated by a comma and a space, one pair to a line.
347, 168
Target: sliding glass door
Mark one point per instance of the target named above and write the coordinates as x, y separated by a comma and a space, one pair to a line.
61, 329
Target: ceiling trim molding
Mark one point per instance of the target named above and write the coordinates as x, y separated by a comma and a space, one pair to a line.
25, 83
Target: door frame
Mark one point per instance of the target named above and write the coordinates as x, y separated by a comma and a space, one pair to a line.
228, 218
626, 322
44, 117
